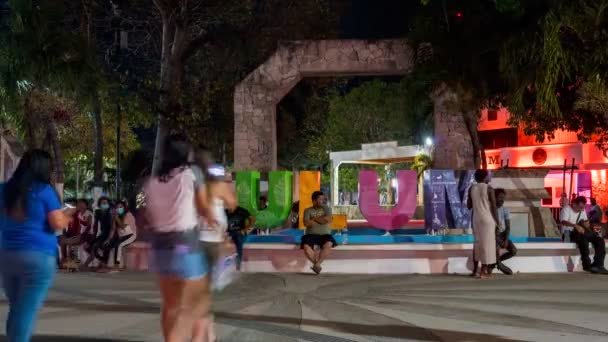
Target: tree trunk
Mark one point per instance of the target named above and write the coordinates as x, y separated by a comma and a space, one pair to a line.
161, 133
98, 137
30, 131
171, 73
58, 162
174, 42
479, 153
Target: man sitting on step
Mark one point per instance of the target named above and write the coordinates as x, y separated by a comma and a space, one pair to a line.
575, 218
502, 239
318, 233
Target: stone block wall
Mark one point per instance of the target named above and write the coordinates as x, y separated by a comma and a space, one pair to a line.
256, 97
524, 191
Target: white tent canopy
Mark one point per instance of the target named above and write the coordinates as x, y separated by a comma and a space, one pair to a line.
382, 153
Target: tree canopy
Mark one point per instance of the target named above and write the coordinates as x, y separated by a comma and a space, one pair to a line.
558, 77
80, 68
374, 111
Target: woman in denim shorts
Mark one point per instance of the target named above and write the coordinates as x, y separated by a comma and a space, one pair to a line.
174, 200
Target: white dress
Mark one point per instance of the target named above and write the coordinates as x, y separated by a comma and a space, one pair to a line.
484, 227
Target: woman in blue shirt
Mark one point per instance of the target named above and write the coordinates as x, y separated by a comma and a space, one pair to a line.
31, 213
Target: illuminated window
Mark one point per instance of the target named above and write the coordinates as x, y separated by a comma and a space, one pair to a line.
498, 138
492, 115
548, 201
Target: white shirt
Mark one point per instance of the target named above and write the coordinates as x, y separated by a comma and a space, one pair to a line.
569, 215
217, 232
503, 217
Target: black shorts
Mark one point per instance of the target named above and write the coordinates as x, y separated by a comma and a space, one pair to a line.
313, 240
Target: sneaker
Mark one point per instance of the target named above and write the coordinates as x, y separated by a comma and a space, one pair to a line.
598, 270
505, 269
316, 268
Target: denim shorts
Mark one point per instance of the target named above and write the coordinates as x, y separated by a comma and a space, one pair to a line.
186, 265
178, 258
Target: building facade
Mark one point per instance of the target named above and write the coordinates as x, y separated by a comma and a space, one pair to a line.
509, 146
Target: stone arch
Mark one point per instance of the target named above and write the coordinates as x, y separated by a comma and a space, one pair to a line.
256, 97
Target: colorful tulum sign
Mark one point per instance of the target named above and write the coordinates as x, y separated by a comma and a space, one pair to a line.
445, 197
387, 218
279, 196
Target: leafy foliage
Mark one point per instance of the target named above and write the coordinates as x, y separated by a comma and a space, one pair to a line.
422, 162
373, 112
567, 50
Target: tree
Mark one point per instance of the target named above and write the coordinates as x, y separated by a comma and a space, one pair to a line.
467, 40
566, 48
202, 50
422, 162
186, 27
40, 64
372, 112
343, 117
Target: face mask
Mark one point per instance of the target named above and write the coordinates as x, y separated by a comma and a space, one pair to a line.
105, 206
120, 211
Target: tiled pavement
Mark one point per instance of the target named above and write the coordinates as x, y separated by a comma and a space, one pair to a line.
336, 308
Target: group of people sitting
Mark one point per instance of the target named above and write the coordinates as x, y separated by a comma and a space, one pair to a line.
109, 229
581, 229
491, 229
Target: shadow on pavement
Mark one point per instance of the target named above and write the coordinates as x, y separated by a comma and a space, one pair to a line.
130, 308
381, 330
393, 331
59, 338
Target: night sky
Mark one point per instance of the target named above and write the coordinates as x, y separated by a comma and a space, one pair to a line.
379, 19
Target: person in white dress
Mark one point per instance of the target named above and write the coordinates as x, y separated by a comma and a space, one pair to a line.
485, 223
213, 236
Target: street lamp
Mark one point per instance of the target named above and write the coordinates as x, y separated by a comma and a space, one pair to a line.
428, 141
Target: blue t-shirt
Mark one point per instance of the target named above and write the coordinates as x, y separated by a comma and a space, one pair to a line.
34, 233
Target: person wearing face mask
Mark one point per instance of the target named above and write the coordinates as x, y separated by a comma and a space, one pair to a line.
121, 235
102, 227
126, 230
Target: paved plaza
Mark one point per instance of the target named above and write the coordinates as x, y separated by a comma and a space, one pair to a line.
336, 308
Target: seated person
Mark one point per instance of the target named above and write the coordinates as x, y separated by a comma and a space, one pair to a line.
502, 239
262, 202
240, 222
294, 216
575, 218
102, 227
121, 235
82, 221
318, 233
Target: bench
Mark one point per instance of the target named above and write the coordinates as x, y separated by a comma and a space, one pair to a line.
399, 258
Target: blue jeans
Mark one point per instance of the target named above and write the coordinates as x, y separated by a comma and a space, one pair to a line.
239, 241
26, 277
